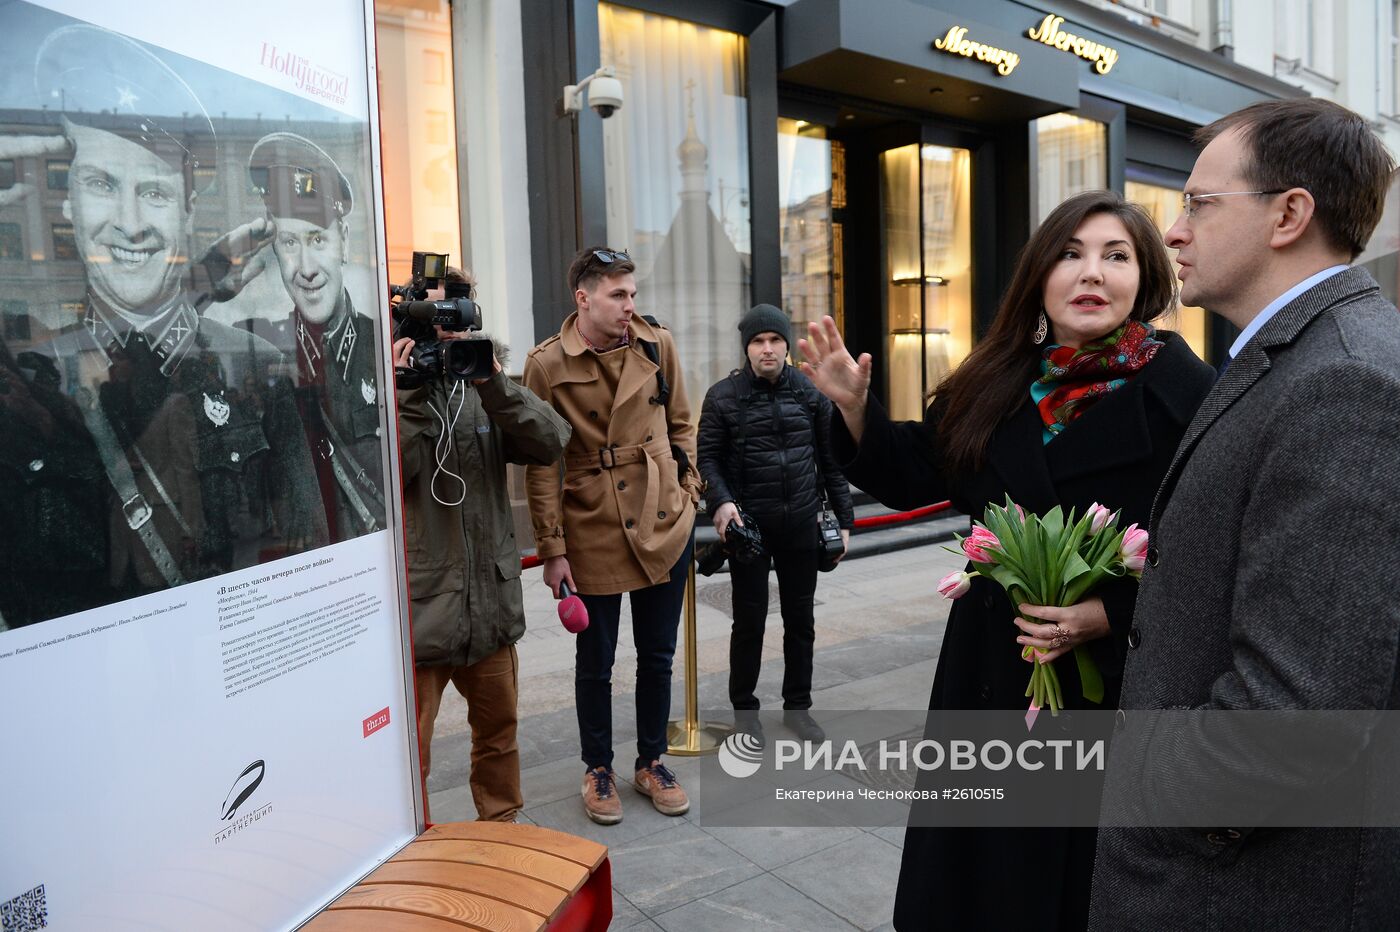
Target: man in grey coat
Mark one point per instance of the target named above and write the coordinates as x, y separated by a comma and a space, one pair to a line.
1271, 575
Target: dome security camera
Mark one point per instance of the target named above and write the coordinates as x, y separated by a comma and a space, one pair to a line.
605, 96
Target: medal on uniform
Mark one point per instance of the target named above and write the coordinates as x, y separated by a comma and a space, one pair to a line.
216, 409
367, 391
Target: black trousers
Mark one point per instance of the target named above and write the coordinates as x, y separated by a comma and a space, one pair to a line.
656, 614
794, 555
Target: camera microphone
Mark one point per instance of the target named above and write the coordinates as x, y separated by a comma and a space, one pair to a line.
572, 612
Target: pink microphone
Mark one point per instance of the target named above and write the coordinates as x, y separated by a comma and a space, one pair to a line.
572, 612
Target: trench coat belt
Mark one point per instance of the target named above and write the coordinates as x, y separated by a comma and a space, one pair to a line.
611, 457
607, 458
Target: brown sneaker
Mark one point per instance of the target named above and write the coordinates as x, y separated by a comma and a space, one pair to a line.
600, 798
664, 789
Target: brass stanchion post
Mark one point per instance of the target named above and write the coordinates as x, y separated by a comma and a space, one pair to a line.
691, 737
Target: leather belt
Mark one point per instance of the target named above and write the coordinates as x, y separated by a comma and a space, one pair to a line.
607, 458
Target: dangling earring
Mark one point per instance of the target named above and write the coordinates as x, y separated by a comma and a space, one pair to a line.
1042, 330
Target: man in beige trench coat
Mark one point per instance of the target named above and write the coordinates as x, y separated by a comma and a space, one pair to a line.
623, 518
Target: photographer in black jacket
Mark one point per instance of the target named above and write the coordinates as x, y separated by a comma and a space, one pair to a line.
765, 445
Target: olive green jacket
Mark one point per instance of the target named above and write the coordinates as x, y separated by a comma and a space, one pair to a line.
463, 561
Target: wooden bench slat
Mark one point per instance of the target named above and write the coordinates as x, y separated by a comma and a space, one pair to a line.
474, 912
579, 850
534, 895
559, 872
332, 919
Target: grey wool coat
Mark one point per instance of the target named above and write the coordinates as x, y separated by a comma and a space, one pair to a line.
1271, 584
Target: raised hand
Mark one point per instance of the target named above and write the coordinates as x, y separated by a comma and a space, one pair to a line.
232, 261
838, 376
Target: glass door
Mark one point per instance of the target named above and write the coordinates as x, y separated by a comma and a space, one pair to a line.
1164, 204
811, 203
926, 216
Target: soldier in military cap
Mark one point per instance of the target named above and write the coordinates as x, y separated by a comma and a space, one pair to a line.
307, 199
162, 436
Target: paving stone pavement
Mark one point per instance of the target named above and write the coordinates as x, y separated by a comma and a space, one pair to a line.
879, 625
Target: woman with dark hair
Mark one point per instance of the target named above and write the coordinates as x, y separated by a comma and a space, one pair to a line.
1071, 398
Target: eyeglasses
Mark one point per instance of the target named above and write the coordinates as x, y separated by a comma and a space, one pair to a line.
1188, 201
616, 255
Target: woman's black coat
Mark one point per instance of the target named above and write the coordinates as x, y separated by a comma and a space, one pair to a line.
1116, 454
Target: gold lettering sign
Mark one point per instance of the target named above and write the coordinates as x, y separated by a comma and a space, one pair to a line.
957, 43
1050, 33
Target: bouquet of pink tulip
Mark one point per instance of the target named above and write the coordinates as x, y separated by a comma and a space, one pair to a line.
1050, 560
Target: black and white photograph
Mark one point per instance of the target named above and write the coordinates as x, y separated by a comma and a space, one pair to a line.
189, 381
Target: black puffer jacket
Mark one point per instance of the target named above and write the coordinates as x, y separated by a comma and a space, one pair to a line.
758, 448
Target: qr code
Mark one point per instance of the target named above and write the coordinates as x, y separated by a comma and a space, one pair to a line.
26, 912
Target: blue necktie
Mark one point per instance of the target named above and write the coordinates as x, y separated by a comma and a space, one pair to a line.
1223, 366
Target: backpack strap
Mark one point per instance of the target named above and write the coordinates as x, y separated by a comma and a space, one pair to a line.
663, 396
663, 388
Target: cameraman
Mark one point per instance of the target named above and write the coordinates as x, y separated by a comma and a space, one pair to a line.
463, 562
765, 444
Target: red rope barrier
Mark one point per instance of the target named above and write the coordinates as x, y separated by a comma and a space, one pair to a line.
902, 516
899, 517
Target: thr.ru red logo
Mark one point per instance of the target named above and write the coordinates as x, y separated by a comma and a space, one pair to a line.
376, 721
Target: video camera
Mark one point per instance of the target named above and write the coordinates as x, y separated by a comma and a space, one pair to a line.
416, 317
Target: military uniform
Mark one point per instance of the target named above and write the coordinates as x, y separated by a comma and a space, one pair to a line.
164, 409
336, 377
338, 402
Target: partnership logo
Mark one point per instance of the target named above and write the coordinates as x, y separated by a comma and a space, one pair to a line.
244, 785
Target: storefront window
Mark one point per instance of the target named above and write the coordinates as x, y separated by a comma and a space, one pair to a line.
1382, 255
416, 131
1164, 205
926, 198
810, 187
677, 180
1071, 156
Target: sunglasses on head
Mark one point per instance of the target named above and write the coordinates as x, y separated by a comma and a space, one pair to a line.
611, 256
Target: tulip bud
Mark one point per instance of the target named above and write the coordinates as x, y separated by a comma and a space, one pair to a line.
955, 585
1100, 518
1133, 552
979, 544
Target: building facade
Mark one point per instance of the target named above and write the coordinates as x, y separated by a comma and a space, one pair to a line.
881, 162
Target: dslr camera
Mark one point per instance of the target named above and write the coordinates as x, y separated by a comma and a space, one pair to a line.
416, 317
740, 544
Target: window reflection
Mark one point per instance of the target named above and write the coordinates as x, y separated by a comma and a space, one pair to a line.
1071, 156
413, 40
1164, 204
677, 179
810, 167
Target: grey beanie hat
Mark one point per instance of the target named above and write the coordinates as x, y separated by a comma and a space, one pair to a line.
764, 318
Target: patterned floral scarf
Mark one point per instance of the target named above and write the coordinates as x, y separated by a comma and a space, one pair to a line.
1073, 379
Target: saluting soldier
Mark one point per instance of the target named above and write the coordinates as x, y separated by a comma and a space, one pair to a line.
307, 199
162, 436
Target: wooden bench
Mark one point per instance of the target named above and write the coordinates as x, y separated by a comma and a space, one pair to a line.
490, 876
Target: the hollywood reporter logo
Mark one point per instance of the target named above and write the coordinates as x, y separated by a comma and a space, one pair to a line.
740, 755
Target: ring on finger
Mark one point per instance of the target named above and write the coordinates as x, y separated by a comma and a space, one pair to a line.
1059, 641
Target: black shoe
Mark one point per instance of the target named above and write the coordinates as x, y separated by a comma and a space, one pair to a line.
747, 723
804, 726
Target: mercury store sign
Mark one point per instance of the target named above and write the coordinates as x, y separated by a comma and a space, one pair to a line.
1101, 56
956, 42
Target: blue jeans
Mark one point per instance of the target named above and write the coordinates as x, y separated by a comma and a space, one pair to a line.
656, 615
